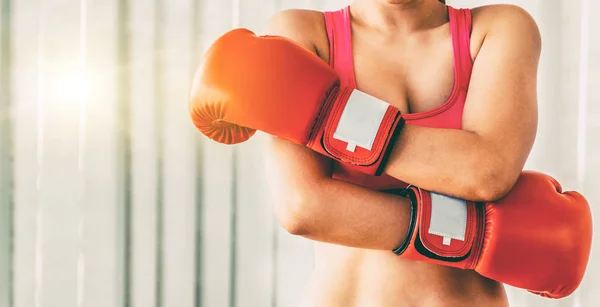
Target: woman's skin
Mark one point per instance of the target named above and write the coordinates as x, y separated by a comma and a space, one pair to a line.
355, 228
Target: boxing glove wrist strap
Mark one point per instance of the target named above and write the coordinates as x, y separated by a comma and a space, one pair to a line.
360, 130
443, 228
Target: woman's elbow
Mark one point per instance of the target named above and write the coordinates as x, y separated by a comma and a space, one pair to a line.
293, 214
492, 183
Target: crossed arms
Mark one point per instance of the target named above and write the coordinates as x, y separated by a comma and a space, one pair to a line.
480, 162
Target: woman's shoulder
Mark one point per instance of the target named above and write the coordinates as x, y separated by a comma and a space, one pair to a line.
500, 11
504, 18
306, 27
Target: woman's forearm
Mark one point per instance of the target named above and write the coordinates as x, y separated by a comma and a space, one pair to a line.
453, 162
499, 120
341, 213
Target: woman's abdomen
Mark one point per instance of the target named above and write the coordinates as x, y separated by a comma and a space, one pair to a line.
352, 277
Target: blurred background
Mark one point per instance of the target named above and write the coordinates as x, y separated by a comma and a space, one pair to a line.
110, 198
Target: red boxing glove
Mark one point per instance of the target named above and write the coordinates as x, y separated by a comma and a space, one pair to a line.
274, 85
536, 238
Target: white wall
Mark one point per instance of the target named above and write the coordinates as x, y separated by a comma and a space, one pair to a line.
108, 197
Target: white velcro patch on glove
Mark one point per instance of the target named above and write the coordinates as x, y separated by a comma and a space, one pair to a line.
360, 120
448, 217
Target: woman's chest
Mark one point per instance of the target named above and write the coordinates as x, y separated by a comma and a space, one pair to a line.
415, 77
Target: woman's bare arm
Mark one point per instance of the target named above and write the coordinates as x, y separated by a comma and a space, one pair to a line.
484, 159
307, 201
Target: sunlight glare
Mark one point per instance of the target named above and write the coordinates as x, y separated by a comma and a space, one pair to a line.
73, 88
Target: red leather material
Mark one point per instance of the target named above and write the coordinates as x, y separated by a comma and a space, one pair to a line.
273, 84
536, 238
360, 156
251, 83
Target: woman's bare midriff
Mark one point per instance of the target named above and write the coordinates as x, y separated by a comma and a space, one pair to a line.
349, 277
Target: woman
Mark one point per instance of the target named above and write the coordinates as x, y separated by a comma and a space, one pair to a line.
468, 71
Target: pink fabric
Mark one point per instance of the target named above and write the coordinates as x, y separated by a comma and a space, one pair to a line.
447, 115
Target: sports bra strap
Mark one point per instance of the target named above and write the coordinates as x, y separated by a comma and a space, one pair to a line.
339, 32
460, 27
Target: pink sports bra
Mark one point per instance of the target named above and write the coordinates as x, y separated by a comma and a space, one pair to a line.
448, 115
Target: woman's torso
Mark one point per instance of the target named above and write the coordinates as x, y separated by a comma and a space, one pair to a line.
424, 74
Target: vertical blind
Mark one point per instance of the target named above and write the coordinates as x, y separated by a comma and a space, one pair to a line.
110, 198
